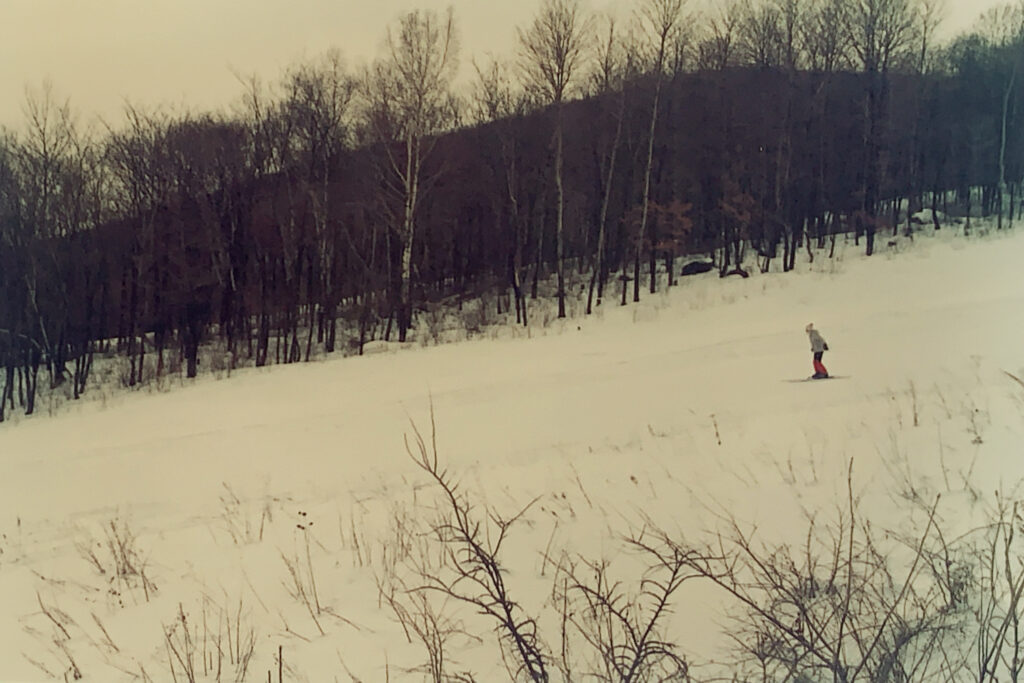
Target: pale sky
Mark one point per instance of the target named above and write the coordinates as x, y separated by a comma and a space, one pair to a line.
100, 53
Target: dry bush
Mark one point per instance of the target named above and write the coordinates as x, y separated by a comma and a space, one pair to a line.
471, 542
60, 638
302, 577
624, 627
989, 572
621, 627
239, 518
119, 558
429, 622
216, 646
854, 603
434, 321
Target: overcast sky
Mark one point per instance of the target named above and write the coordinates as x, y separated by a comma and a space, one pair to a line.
100, 53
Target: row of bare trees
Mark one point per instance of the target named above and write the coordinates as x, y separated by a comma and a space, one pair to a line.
342, 201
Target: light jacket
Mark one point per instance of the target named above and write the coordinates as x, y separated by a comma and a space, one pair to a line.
817, 342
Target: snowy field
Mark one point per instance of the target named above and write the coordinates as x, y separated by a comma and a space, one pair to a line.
201, 533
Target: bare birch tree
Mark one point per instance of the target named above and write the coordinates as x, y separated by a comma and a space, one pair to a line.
660, 21
551, 51
409, 102
615, 66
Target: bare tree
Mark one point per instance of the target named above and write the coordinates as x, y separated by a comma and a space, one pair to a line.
1003, 27
317, 100
793, 17
84, 204
717, 50
502, 103
47, 141
12, 324
683, 52
825, 36
759, 36
881, 34
42, 157
136, 158
825, 41
408, 101
51, 200
208, 160
928, 15
271, 143
551, 51
660, 21
616, 65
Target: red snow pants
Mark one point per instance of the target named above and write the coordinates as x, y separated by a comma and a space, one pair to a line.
819, 368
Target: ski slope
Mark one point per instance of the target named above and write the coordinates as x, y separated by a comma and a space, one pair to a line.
676, 410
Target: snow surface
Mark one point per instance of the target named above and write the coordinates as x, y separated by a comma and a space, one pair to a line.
677, 409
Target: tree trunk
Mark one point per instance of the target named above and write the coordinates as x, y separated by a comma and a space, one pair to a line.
1001, 189
624, 278
559, 222
875, 109
7, 393
518, 234
539, 256
133, 306
1013, 203
969, 208
645, 199
309, 335
652, 264
83, 368
31, 375
605, 201
411, 189
330, 318
807, 240
142, 358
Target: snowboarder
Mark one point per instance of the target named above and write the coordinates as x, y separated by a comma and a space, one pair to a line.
818, 348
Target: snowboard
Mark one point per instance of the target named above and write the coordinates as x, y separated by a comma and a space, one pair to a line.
823, 379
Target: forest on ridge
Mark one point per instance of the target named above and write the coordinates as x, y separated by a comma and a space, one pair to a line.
337, 205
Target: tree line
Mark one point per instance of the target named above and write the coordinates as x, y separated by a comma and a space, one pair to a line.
333, 206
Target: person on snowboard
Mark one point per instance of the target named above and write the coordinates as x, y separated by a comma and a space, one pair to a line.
818, 348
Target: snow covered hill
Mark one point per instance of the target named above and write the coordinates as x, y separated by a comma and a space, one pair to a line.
210, 532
